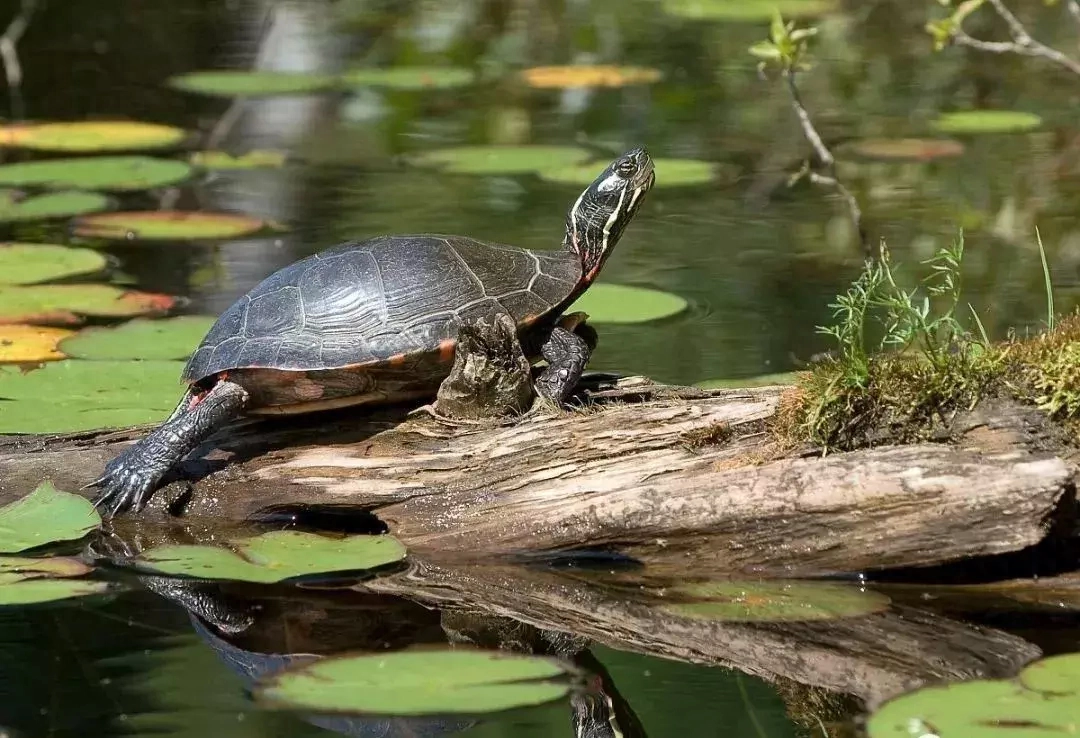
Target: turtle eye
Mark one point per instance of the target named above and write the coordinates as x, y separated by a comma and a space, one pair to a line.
625, 168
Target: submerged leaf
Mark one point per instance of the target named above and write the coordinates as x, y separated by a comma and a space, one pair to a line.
90, 136
30, 344
153, 225
63, 304
45, 516
113, 173
30, 263
171, 338
762, 601
618, 303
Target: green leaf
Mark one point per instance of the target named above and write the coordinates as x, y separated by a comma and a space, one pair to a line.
502, 159
172, 338
273, 557
669, 172
90, 136
48, 590
410, 78
763, 380
616, 303
17, 568
157, 225
225, 162
423, 682
45, 516
765, 50
17, 207
114, 173
30, 263
747, 10
230, 83
61, 304
986, 121
775, 600
1054, 675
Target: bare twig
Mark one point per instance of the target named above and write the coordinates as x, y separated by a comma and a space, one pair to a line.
1022, 42
10, 55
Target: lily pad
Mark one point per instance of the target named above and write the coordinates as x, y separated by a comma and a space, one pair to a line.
410, 78
669, 172
20, 568
223, 161
1054, 675
153, 225
171, 338
904, 149
747, 10
45, 516
64, 304
762, 380
776, 600
239, 83
90, 136
618, 303
17, 207
421, 682
31, 344
36, 591
987, 121
273, 557
114, 173
503, 160
68, 396
30, 263
589, 75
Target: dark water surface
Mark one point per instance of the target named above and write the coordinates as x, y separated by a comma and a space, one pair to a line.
758, 262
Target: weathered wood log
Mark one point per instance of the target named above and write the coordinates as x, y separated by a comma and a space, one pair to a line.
668, 475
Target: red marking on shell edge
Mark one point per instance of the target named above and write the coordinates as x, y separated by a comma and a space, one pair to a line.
446, 349
396, 359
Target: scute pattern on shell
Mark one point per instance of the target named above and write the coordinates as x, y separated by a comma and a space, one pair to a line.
361, 302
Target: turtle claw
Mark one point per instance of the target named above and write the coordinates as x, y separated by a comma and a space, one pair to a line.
125, 485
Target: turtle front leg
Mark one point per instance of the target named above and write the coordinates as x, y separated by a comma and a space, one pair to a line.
130, 479
566, 353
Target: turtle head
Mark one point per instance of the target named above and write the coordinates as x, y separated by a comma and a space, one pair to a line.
599, 216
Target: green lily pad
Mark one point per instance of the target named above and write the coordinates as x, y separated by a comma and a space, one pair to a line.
503, 160
31, 344
20, 568
17, 207
1054, 675
171, 338
669, 172
987, 121
762, 380
619, 303
410, 78
90, 136
114, 173
48, 590
421, 682
63, 304
273, 557
30, 263
45, 516
747, 10
903, 149
776, 600
233, 83
223, 161
155, 225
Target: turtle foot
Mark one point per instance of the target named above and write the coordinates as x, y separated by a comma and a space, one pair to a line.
127, 483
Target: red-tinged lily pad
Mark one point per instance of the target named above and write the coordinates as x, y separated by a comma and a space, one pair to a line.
31, 263
31, 344
589, 75
168, 225
904, 149
90, 136
16, 206
65, 304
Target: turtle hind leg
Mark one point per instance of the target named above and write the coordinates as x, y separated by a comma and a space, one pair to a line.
130, 479
566, 353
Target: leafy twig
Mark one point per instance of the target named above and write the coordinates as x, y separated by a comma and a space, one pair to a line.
10, 55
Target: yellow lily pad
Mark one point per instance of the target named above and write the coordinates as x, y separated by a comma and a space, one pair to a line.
30, 344
90, 136
153, 225
589, 75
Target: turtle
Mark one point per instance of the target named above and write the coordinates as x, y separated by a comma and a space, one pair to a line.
376, 321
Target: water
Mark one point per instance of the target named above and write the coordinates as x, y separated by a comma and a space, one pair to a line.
758, 262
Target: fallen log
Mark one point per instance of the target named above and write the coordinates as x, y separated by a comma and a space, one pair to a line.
662, 473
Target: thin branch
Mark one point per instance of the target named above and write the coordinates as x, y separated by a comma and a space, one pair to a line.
1022, 42
10, 55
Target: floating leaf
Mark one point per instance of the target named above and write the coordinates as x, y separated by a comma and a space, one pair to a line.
410, 78
986, 121
30, 263
1054, 675
119, 173
587, 75
90, 136
30, 344
16, 207
63, 304
747, 10
618, 303
423, 682
763, 380
904, 149
45, 516
25, 581
172, 338
17, 568
152, 225
502, 159
669, 172
774, 600
223, 161
273, 557
67, 396
48, 590
232, 83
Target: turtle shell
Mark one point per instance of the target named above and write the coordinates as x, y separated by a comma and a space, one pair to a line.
379, 302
